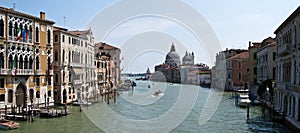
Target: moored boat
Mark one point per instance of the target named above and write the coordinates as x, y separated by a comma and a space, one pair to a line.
7, 124
243, 100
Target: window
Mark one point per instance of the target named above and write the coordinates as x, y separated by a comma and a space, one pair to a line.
274, 55
56, 56
1, 28
49, 93
2, 97
63, 38
55, 38
30, 34
254, 56
48, 37
56, 78
1, 60
37, 94
31, 91
64, 74
37, 34
10, 29
63, 56
2, 83
16, 29
37, 63
70, 90
240, 64
255, 71
49, 80
37, 81
30, 62
10, 96
69, 40
240, 76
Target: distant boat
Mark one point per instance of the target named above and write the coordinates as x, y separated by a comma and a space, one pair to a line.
7, 124
243, 100
157, 93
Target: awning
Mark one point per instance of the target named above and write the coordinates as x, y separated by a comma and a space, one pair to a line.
78, 71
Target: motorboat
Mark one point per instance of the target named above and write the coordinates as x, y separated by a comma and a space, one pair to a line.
157, 93
7, 124
243, 100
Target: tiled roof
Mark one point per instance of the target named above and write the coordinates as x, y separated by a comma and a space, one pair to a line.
105, 46
78, 32
243, 55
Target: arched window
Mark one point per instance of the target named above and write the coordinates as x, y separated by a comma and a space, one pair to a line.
30, 62
30, 33
1, 28
240, 76
10, 29
48, 37
69, 56
70, 76
37, 34
56, 56
21, 62
63, 38
26, 62
56, 78
63, 56
10, 61
1, 60
49, 63
64, 74
21, 32
73, 60
16, 29
25, 32
37, 63
16, 61
10, 96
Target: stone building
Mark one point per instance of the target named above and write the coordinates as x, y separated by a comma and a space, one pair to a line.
173, 71
74, 67
113, 57
26, 51
237, 71
287, 88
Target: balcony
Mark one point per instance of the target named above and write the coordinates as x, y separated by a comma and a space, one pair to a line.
24, 72
76, 82
4, 71
38, 72
284, 49
74, 64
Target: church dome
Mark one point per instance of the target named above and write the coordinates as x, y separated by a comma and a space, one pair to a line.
173, 57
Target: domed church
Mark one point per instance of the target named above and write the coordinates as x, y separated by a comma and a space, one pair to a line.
173, 71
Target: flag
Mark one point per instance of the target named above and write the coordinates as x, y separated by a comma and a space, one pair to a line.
24, 35
19, 34
13, 69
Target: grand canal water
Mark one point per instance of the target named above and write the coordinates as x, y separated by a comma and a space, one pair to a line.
227, 117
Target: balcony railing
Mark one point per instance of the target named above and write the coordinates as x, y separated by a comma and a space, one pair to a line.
284, 49
74, 64
24, 72
38, 72
4, 71
76, 82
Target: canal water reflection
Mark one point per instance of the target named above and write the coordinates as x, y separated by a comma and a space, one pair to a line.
227, 118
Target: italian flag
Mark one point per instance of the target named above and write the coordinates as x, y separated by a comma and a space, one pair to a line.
19, 34
13, 69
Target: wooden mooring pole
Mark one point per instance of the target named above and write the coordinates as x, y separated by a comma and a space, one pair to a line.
247, 110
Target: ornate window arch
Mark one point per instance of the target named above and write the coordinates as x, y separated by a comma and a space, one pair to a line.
1, 27
37, 62
37, 34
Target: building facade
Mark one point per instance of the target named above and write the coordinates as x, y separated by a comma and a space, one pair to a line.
237, 71
287, 88
74, 67
108, 65
26, 55
266, 55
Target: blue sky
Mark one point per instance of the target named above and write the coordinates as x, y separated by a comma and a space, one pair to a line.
235, 22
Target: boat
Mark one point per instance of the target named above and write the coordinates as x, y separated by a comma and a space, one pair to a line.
86, 103
243, 100
157, 93
7, 124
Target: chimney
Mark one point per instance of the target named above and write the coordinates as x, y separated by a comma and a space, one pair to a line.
249, 44
42, 15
